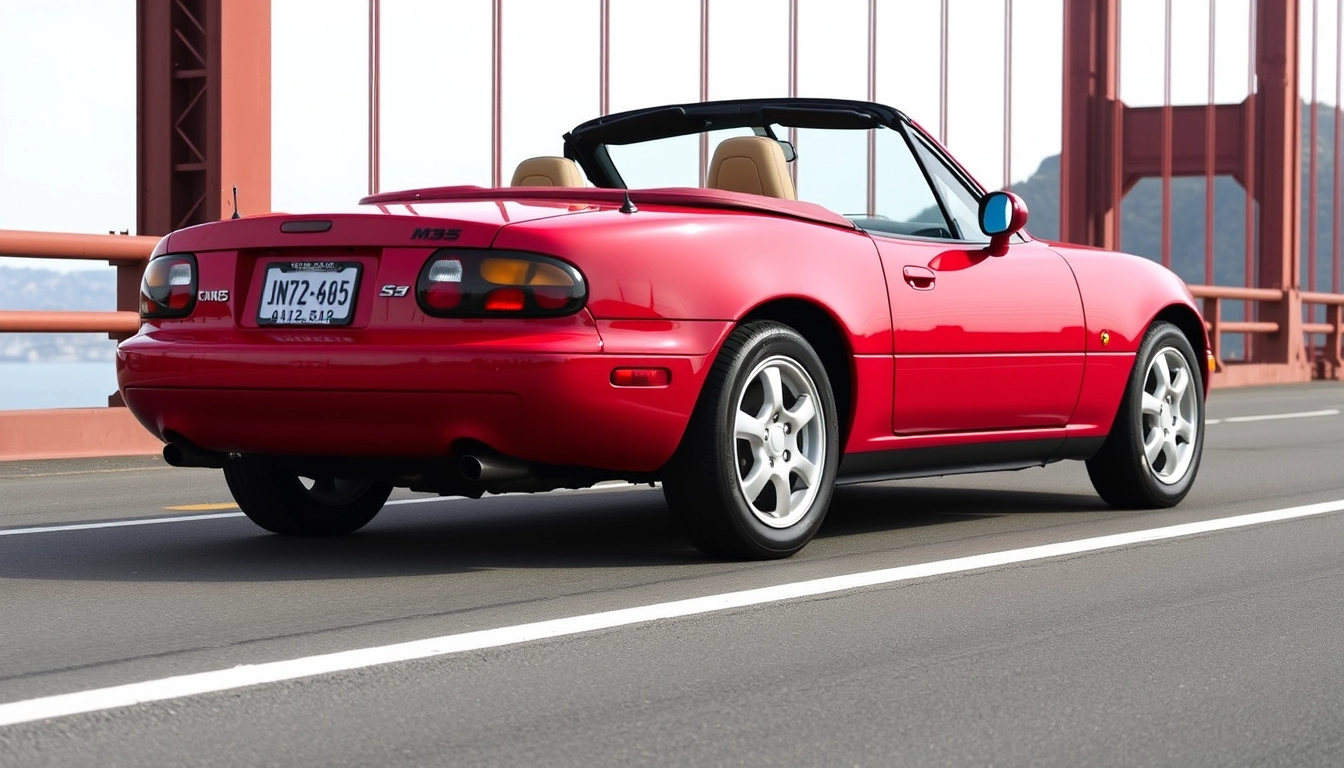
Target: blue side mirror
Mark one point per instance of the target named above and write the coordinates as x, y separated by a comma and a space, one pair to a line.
1002, 215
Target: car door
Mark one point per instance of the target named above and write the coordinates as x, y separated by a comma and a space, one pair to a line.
982, 340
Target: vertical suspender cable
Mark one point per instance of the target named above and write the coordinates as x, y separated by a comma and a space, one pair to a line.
793, 81
1166, 139
704, 86
1007, 94
496, 92
942, 72
1311, 159
375, 118
1251, 154
1210, 138
604, 57
872, 96
1335, 207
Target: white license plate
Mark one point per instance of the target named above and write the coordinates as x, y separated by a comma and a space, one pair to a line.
308, 293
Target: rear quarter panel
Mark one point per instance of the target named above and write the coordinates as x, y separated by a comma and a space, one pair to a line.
653, 267
670, 265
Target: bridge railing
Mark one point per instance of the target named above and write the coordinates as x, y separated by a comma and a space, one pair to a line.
1326, 358
128, 253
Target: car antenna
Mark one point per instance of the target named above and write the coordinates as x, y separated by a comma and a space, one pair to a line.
629, 205
235, 203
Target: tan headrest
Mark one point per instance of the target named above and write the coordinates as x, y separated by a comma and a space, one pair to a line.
752, 164
547, 172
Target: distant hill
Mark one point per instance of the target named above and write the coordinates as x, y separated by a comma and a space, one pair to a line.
46, 289
89, 290
1141, 213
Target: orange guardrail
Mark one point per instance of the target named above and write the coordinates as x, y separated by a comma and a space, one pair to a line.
78, 432
129, 249
1327, 357
128, 253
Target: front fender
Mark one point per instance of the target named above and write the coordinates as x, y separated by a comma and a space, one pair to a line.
1123, 295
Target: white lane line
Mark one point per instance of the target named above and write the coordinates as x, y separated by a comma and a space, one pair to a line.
174, 519
246, 675
117, 523
1274, 416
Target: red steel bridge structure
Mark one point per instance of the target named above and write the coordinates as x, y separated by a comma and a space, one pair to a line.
204, 125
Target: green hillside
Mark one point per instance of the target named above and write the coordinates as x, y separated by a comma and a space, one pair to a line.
1141, 214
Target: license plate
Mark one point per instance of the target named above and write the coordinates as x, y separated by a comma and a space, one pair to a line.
308, 293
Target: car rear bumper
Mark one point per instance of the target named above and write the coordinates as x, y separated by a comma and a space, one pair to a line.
308, 399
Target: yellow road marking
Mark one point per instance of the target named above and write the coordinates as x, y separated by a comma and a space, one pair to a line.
200, 507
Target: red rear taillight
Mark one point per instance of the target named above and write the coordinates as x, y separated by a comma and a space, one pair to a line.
168, 288
484, 283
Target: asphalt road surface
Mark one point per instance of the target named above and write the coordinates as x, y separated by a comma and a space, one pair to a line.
999, 619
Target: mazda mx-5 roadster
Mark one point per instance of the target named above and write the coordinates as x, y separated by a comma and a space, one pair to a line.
609, 317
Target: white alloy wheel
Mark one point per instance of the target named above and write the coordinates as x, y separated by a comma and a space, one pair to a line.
1170, 414
780, 441
755, 471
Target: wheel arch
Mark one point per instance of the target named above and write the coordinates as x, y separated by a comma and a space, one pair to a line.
1192, 326
820, 327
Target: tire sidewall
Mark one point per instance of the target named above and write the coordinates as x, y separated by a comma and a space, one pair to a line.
774, 341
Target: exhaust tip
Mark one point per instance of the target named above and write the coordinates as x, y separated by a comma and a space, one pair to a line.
173, 455
471, 467
184, 454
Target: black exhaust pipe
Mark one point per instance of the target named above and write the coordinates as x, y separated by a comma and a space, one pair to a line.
493, 469
180, 453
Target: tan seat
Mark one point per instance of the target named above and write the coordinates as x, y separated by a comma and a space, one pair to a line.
752, 164
547, 172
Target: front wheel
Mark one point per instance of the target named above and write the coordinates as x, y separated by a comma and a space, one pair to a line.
285, 503
1150, 459
755, 471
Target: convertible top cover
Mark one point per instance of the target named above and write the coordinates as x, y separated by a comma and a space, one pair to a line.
682, 119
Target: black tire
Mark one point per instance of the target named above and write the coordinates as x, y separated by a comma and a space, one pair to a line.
708, 480
1121, 471
280, 502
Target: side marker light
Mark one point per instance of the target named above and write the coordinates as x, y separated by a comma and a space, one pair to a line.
641, 377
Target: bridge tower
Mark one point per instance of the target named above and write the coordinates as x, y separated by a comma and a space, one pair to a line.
1108, 146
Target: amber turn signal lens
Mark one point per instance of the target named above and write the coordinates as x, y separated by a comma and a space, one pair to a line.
523, 272
641, 377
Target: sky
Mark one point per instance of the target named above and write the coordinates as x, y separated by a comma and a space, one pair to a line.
67, 84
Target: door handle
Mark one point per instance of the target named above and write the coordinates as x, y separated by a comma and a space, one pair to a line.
920, 278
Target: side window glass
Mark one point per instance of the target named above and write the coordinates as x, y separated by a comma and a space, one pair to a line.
832, 168
904, 204
961, 204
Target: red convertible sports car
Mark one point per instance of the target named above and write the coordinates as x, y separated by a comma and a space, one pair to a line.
595, 322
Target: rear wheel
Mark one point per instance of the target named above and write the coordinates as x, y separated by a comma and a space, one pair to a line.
286, 503
755, 471
1151, 457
